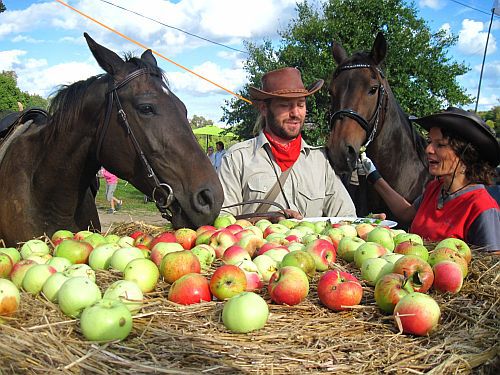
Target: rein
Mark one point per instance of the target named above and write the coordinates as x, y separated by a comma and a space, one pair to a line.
113, 97
369, 126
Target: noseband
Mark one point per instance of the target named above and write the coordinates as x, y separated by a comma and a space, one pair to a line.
369, 126
160, 187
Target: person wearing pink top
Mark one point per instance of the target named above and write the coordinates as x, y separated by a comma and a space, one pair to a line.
111, 183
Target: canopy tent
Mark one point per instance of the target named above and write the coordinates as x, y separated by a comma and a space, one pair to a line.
212, 130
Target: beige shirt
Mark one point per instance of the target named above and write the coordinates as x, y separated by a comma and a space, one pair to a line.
312, 187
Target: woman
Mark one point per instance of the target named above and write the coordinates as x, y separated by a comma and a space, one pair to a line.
462, 153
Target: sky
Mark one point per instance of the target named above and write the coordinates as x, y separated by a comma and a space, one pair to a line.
42, 41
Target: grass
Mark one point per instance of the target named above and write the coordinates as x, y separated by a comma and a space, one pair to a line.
133, 199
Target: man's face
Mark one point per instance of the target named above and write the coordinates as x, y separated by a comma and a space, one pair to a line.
210, 150
285, 117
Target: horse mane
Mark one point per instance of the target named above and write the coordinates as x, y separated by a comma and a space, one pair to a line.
66, 104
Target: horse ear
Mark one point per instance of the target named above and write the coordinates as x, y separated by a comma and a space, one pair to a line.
148, 56
339, 53
379, 49
107, 59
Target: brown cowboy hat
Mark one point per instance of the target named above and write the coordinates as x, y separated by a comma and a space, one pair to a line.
283, 83
466, 125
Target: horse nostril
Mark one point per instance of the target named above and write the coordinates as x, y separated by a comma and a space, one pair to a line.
203, 201
351, 157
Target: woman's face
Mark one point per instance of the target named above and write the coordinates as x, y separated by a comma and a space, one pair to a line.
442, 159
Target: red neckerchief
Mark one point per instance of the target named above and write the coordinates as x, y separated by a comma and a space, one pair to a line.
285, 155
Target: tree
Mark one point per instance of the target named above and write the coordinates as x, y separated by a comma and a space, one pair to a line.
2, 7
199, 122
492, 118
421, 74
10, 95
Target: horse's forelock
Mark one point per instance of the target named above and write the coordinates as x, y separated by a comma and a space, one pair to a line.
142, 64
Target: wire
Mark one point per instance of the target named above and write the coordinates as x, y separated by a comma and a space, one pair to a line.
173, 27
470, 7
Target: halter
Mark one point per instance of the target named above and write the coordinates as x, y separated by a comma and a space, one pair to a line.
112, 95
370, 126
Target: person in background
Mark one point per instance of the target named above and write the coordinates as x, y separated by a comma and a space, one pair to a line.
462, 153
211, 155
219, 154
111, 183
250, 169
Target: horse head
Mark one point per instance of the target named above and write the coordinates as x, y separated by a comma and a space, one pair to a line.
358, 93
143, 136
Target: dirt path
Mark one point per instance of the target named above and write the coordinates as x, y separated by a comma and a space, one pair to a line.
126, 216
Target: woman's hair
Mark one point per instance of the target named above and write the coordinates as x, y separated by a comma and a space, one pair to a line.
477, 170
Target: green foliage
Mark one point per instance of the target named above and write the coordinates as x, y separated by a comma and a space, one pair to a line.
2, 7
492, 118
199, 122
133, 199
417, 66
10, 95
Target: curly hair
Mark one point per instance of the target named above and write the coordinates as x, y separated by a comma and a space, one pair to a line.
477, 170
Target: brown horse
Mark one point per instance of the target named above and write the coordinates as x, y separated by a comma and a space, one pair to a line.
365, 113
127, 120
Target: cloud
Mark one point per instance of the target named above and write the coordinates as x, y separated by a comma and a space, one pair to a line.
472, 39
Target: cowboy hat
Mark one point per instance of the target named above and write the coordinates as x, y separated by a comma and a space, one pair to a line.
466, 125
283, 83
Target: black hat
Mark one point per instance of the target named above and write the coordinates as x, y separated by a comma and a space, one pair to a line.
466, 125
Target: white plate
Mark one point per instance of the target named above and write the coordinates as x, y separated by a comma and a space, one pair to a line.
351, 220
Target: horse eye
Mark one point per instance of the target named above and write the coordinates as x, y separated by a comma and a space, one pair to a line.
373, 90
146, 109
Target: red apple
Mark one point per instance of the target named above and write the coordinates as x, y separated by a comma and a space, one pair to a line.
136, 234
458, 245
417, 314
235, 254
189, 289
203, 238
144, 239
221, 240
390, 289
444, 253
412, 248
204, 228
417, 270
288, 285
60, 235
74, 250
448, 277
177, 264
301, 259
268, 246
323, 252
339, 290
234, 228
227, 281
186, 237
163, 248
19, 271
255, 280
251, 243
163, 237
363, 229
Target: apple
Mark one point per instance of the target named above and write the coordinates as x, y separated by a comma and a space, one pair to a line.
389, 289
335, 234
277, 238
256, 230
448, 277
302, 260
403, 237
34, 247
126, 241
106, 320
245, 312
277, 253
221, 240
95, 239
288, 223
50, 288
266, 266
112, 238
243, 232
251, 243
382, 236
417, 270
234, 228
234, 254
81, 235
362, 229
6, 265
144, 239
76, 270
186, 237
227, 281
262, 224
100, 257
127, 292
347, 247
320, 226
177, 264
307, 224
244, 223
392, 257
204, 237
302, 230
189, 289
204, 228
294, 235
143, 272
254, 278
293, 246
163, 248
19, 271
374, 268
275, 228
444, 253
205, 254
323, 252
40, 259
368, 250
59, 263
348, 230
123, 256
74, 250
339, 290
60, 235
288, 285
417, 314
76, 294
136, 234
10, 298
35, 277
315, 236
458, 245
12, 252
268, 246
163, 237
411, 248
224, 220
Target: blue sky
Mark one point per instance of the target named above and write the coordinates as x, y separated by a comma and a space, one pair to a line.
42, 41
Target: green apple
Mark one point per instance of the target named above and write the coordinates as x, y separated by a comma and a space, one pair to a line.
106, 320
224, 220
76, 294
12, 252
34, 247
245, 312
143, 272
382, 236
127, 292
52, 285
373, 269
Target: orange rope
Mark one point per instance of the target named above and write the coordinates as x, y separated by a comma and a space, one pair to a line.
156, 53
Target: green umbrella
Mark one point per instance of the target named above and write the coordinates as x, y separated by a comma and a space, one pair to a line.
211, 130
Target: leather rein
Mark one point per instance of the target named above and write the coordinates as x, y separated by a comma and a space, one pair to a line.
113, 97
369, 126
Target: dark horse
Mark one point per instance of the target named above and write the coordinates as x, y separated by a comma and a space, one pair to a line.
127, 120
365, 113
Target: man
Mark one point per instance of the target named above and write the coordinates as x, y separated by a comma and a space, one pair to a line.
311, 187
219, 154
211, 155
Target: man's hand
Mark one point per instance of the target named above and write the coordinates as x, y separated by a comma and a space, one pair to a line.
367, 164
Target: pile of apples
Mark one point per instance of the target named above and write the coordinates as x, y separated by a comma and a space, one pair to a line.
233, 261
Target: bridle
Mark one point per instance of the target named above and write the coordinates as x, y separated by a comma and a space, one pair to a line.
369, 126
112, 95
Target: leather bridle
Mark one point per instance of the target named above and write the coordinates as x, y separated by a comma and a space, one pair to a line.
159, 187
369, 126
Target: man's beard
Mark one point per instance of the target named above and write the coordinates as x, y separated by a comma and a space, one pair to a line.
273, 126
